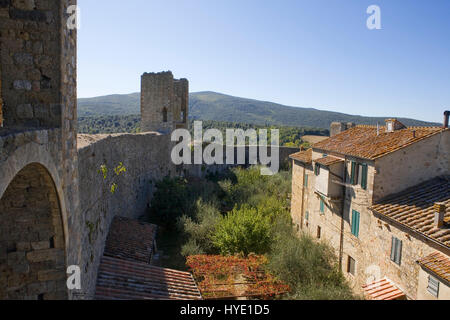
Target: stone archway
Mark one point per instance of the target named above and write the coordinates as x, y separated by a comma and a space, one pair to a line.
32, 245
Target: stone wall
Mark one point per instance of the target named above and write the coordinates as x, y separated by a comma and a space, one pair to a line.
38, 90
146, 158
412, 165
202, 170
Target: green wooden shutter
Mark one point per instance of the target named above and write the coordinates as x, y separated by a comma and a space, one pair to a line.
364, 176
355, 223
322, 206
393, 249
306, 180
353, 175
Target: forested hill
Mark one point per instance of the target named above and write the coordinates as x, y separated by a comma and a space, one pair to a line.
220, 107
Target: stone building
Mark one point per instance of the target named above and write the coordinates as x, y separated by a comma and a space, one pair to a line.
381, 198
164, 102
38, 149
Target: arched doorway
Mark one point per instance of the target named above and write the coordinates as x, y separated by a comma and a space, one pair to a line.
32, 248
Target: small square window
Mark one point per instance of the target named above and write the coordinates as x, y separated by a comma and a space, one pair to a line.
351, 265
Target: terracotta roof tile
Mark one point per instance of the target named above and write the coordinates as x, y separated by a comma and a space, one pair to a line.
303, 156
438, 264
132, 280
414, 208
329, 160
130, 240
363, 141
383, 289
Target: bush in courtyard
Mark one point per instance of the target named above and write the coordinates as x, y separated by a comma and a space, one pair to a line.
243, 230
169, 201
308, 266
200, 229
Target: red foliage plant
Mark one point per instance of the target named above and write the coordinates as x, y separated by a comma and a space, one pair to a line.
227, 277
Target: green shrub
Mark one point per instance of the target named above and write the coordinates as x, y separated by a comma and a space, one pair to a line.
243, 230
200, 229
308, 266
169, 201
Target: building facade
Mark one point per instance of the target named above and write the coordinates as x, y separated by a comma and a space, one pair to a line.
380, 196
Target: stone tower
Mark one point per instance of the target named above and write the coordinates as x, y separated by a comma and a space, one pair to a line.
164, 102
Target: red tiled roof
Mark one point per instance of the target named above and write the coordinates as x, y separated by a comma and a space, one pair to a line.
383, 289
414, 208
438, 264
131, 280
130, 239
303, 156
329, 160
363, 141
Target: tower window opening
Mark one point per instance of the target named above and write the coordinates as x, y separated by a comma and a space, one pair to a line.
164, 113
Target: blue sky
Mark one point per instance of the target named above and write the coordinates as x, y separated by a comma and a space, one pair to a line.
316, 53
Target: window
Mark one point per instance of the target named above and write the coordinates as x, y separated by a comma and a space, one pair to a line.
433, 286
396, 250
322, 206
317, 169
306, 181
355, 223
364, 176
319, 232
359, 174
307, 216
164, 114
351, 265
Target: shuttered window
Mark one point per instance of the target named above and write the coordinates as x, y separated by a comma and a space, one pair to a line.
433, 286
306, 181
317, 169
355, 223
351, 265
322, 206
396, 250
364, 176
354, 174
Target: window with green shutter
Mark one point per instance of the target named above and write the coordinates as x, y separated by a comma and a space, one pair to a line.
355, 223
353, 176
307, 216
396, 250
364, 176
306, 181
317, 169
322, 206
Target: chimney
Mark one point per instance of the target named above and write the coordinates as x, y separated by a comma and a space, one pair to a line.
446, 116
394, 125
439, 213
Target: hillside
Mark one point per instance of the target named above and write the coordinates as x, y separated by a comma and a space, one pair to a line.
220, 107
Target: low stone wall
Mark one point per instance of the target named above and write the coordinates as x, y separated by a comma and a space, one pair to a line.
146, 158
202, 170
